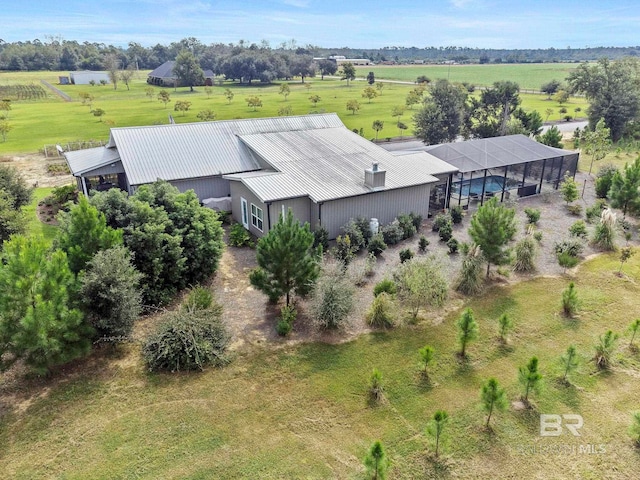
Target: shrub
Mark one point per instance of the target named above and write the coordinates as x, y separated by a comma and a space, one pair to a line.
605, 233
406, 255
392, 233
453, 245
567, 261
352, 230
379, 314
421, 283
287, 316
187, 341
578, 229
593, 212
445, 232
604, 349
441, 220
526, 252
321, 238
376, 244
370, 265
416, 219
533, 215
470, 278
385, 286
64, 194
332, 298
238, 236
457, 214
405, 222
604, 180
572, 247
344, 250
199, 298
575, 209
422, 244
365, 229
110, 293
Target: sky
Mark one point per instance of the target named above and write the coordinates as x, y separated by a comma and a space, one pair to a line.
331, 23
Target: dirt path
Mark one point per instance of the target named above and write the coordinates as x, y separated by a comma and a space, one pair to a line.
33, 168
57, 91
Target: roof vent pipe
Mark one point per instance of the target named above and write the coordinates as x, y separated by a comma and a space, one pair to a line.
374, 167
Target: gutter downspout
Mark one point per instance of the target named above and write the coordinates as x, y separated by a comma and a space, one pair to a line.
268, 216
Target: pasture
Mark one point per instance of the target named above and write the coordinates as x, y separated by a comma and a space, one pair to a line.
529, 76
301, 411
52, 120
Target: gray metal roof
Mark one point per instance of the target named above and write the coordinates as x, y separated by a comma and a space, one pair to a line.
326, 164
81, 161
433, 165
494, 152
192, 150
166, 71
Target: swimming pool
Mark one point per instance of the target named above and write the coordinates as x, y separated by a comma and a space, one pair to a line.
473, 186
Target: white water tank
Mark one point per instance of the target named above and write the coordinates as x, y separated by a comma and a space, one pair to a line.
374, 225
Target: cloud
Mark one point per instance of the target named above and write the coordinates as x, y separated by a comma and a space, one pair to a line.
460, 3
296, 3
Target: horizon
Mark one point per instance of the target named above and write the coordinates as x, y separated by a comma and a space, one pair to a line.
356, 25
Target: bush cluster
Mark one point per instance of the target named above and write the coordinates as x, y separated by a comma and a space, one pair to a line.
238, 236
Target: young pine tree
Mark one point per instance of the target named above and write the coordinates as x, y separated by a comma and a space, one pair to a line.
529, 377
493, 398
426, 356
376, 462
633, 329
287, 262
435, 428
492, 228
467, 330
505, 325
570, 300
570, 361
605, 348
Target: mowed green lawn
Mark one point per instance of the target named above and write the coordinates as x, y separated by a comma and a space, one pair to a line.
51, 121
301, 411
529, 76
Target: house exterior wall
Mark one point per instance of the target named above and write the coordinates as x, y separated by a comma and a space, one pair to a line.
84, 78
384, 205
207, 187
106, 170
301, 208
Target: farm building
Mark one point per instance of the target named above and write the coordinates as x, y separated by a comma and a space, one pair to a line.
163, 76
312, 164
86, 77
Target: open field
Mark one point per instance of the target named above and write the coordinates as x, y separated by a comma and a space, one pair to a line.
529, 76
300, 411
52, 120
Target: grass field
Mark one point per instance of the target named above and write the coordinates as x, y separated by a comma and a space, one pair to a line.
301, 411
34, 225
527, 76
51, 121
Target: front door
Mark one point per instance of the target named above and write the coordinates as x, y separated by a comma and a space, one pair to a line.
245, 213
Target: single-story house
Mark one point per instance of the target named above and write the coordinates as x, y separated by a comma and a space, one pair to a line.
86, 77
311, 164
163, 76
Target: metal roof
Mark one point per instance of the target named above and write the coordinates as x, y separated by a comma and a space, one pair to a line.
433, 165
326, 164
82, 161
166, 71
192, 150
494, 152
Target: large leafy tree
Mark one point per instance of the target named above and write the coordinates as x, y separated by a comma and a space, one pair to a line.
38, 321
287, 261
421, 283
348, 72
597, 142
625, 185
612, 90
490, 115
492, 228
442, 116
83, 233
187, 69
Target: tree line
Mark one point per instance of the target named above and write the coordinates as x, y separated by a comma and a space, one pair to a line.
58, 54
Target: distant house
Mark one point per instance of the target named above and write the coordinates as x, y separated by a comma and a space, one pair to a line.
86, 77
163, 76
311, 164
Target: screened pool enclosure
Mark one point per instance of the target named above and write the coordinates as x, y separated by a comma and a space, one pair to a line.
503, 167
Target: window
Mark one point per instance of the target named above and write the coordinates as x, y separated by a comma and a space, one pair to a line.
256, 217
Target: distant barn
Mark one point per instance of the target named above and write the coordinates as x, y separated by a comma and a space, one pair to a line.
86, 77
163, 76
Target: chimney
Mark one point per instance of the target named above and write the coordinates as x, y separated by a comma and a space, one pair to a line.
374, 177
